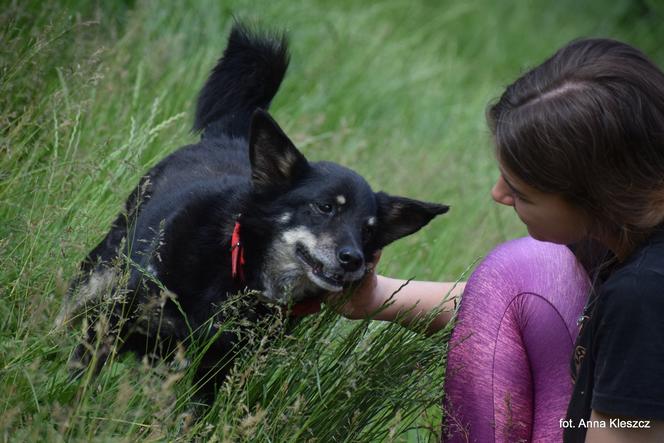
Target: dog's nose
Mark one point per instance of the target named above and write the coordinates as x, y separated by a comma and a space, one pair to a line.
350, 259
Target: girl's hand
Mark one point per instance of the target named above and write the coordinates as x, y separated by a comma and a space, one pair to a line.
409, 300
361, 299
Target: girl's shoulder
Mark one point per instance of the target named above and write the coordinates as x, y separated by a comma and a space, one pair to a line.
639, 280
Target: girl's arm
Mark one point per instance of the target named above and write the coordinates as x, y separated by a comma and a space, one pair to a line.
413, 299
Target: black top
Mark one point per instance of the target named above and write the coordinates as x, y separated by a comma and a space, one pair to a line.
618, 362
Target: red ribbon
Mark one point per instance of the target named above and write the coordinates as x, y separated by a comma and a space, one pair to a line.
237, 254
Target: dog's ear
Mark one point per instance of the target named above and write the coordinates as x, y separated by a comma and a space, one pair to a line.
275, 161
400, 216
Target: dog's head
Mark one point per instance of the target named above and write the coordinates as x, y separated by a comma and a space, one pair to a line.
326, 223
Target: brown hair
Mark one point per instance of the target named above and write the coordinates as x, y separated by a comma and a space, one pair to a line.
588, 124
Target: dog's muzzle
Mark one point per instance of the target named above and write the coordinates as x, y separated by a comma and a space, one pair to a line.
318, 273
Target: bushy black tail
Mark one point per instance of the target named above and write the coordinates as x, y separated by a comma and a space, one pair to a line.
246, 77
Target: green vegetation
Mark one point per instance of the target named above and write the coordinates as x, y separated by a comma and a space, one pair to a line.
91, 95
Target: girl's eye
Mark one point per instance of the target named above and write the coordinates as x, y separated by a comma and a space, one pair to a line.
517, 196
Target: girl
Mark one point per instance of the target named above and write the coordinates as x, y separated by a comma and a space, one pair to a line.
580, 147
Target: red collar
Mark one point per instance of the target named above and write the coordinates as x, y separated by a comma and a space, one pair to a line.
306, 307
237, 254
300, 309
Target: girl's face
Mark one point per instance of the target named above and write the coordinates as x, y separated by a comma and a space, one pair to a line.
548, 217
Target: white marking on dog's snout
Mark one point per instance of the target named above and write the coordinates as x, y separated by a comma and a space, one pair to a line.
285, 218
341, 199
371, 221
301, 235
285, 275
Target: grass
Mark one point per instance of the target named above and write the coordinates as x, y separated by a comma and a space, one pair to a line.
91, 95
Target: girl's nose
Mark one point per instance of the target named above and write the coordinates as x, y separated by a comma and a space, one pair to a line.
501, 193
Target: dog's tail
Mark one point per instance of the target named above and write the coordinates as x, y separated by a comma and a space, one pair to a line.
246, 77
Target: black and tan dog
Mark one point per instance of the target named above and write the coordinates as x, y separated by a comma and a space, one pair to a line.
241, 209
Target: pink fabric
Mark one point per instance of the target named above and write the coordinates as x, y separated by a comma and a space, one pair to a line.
508, 372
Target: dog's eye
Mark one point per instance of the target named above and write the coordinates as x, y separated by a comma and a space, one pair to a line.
324, 208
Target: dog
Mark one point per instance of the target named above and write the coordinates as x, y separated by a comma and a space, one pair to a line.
240, 212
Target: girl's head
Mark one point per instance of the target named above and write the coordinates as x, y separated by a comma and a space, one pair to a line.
585, 130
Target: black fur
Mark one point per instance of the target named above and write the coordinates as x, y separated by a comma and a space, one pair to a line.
306, 228
250, 76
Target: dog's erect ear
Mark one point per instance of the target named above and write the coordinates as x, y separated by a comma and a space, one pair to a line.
400, 216
275, 161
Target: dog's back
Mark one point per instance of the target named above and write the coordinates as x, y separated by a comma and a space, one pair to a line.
246, 78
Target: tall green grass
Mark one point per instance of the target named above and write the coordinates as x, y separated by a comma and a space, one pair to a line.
91, 95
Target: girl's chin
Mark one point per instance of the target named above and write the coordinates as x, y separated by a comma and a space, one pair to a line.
539, 237
552, 239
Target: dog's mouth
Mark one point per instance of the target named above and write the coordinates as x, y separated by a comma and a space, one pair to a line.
330, 281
